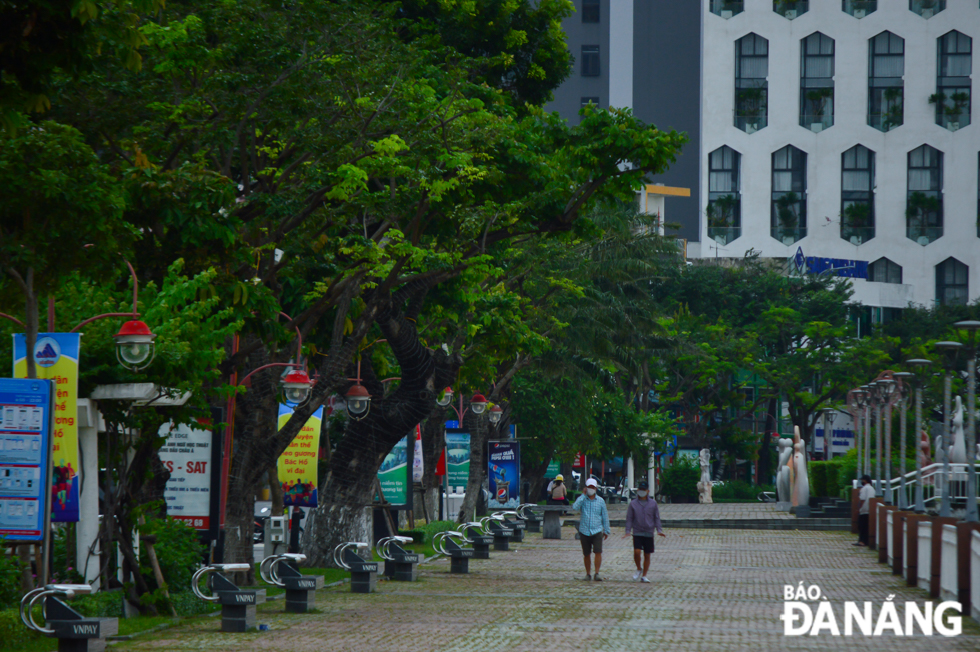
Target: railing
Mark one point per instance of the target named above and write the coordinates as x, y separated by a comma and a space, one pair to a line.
751, 123
923, 234
857, 235
927, 8
817, 122
726, 8
933, 482
789, 9
886, 121
788, 235
724, 234
860, 8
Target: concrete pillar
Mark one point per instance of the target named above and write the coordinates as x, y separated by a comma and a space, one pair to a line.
652, 473
630, 480
87, 528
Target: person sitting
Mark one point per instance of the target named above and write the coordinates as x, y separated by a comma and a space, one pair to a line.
557, 494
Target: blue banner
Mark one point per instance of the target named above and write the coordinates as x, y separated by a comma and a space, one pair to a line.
504, 472
25, 431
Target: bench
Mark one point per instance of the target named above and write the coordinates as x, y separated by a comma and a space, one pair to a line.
400, 564
75, 632
300, 589
552, 522
363, 574
237, 606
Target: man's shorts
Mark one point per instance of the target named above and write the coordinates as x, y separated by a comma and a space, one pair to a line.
643, 543
591, 544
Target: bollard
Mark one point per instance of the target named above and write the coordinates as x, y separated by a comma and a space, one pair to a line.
300, 589
478, 538
459, 557
75, 632
237, 606
532, 520
400, 564
501, 534
363, 574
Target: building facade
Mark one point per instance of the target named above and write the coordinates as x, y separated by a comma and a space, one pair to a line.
842, 132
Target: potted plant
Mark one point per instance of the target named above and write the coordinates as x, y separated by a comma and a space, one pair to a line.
787, 212
895, 115
927, 8
855, 221
920, 206
787, 8
750, 107
721, 218
949, 108
818, 106
860, 8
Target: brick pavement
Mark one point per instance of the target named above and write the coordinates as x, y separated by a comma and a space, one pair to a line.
712, 590
726, 511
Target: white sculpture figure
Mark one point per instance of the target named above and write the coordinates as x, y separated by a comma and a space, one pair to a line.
801, 482
925, 453
940, 450
782, 470
957, 453
704, 485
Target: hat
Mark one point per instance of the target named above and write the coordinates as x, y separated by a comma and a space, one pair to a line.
560, 477
644, 485
591, 483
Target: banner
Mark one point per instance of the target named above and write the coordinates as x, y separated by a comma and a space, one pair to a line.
298, 463
418, 463
553, 469
25, 428
188, 455
457, 460
504, 472
56, 357
393, 474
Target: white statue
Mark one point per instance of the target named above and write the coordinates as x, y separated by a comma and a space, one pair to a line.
704, 485
925, 454
957, 453
801, 482
783, 489
940, 450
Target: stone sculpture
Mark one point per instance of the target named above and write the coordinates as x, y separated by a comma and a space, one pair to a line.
783, 489
957, 452
801, 481
704, 485
925, 454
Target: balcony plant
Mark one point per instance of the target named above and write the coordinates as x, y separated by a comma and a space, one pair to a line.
917, 211
751, 107
789, 8
950, 108
895, 115
855, 222
818, 104
788, 215
721, 217
861, 8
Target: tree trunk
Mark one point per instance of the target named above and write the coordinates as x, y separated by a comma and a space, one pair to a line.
535, 476
477, 426
275, 492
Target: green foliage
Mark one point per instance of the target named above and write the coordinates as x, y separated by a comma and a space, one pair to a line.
178, 549
739, 490
680, 479
418, 535
433, 528
14, 636
9, 579
823, 479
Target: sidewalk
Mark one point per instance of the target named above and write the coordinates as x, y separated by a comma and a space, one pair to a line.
712, 590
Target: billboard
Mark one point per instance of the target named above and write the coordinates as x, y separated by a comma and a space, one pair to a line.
192, 454
297, 465
25, 444
393, 474
457, 461
56, 359
504, 473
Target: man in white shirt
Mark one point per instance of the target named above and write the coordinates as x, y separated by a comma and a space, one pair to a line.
865, 495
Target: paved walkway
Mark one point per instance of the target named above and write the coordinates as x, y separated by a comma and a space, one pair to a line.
724, 511
712, 590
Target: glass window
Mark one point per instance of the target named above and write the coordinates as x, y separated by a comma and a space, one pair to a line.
952, 98
727, 8
724, 199
590, 11
860, 8
857, 208
790, 8
817, 82
927, 8
952, 283
788, 217
884, 271
590, 60
751, 85
924, 204
886, 89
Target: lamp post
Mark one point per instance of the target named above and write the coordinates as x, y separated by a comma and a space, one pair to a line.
888, 388
971, 328
869, 402
876, 401
918, 364
904, 378
861, 402
829, 414
949, 350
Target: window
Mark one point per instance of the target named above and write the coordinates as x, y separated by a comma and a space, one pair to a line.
817, 82
927, 8
886, 89
952, 283
724, 200
727, 8
751, 87
590, 60
952, 98
859, 8
790, 8
788, 219
924, 204
884, 271
857, 208
590, 11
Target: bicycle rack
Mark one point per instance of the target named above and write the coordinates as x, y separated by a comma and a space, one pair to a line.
477, 536
400, 564
459, 557
363, 574
75, 632
518, 525
300, 589
532, 519
497, 526
237, 606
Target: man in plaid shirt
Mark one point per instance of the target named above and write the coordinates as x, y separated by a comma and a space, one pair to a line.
593, 527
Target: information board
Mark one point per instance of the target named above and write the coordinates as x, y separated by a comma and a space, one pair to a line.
504, 473
189, 455
457, 460
297, 466
25, 449
393, 474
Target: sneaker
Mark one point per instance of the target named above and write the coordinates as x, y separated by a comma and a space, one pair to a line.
587, 578
644, 580
596, 578
637, 575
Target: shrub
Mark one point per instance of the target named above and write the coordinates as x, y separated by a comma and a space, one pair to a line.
431, 529
680, 479
9, 579
818, 478
418, 535
738, 490
178, 549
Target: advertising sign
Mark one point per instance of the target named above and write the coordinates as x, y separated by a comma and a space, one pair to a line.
418, 463
504, 472
189, 455
579, 461
457, 460
298, 463
843, 440
25, 432
553, 469
393, 474
56, 357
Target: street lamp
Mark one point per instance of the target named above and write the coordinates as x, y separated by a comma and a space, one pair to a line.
869, 403
478, 403
495, 413
829, 414
876, 396
918, 364
888, 392
445, 398
903, 378
134, 345
971, 328
358, 401
950, 350
296, 386
860, 402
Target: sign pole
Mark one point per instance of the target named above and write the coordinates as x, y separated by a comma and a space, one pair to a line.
46, 544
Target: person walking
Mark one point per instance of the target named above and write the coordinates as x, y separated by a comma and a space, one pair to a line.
557, 491
643, 519
865, 495
593, 527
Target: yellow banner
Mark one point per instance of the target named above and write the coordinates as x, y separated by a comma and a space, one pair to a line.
56, 358
298, 463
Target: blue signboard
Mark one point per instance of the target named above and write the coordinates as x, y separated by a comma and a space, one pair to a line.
504, 472
838, 267
25, 453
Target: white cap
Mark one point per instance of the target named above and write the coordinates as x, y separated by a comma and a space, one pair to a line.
591, 483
